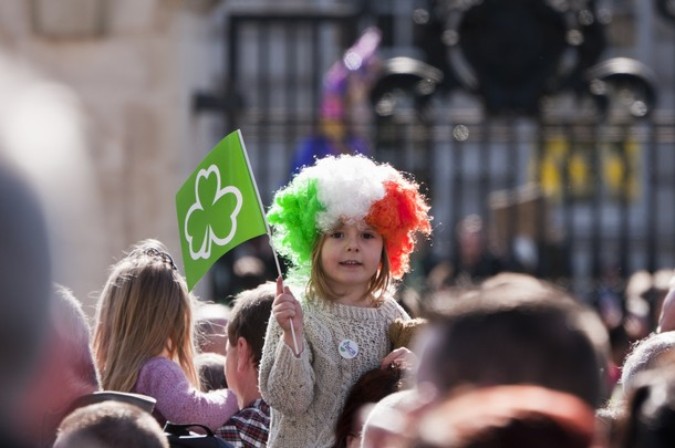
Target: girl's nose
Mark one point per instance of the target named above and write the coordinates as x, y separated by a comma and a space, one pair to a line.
352, 245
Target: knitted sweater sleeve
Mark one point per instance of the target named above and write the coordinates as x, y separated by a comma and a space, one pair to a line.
286, 381
178, 401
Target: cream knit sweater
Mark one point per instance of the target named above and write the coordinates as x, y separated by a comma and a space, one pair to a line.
307, 393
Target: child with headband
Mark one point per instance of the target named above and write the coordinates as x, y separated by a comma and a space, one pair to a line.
143, 339
347, 225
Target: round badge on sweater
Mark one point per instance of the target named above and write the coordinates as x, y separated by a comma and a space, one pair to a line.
348, 349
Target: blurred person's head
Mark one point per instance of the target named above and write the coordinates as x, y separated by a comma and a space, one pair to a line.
65, 371
507, 417
211, 321
516, 331
526, 284
370, 388
645, 297
25, 279
211, 369
110, 424
470, 238
667, 311
389, 422
650, 411
245, 338
644, 356
248, 272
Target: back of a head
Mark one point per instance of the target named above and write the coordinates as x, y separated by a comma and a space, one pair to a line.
110, 424
211, 369
248, 272
24, 279
211, 321
518, 333
250, 314
507, 417
644, 356
667, 312
390, 418
65, 372
525, 284
144, 304
370, 388
74, 332
650, 414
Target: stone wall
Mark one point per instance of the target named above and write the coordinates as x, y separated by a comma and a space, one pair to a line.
107, 131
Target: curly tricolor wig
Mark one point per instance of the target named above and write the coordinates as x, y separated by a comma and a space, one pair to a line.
343, 189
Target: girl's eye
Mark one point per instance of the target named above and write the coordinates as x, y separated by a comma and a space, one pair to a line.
368, 235
336, 234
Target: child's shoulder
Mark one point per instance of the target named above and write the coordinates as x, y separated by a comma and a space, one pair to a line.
389, 301
160, 370
159, 365
390, 306
158, 361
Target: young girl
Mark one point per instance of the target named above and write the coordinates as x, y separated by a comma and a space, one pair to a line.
347, 225
143, 341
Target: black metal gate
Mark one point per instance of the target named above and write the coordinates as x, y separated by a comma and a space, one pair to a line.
591, 194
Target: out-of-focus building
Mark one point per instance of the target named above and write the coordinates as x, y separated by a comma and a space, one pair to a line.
551, 119
112, 103
97, 108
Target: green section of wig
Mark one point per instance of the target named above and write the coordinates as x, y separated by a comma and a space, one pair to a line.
293, 221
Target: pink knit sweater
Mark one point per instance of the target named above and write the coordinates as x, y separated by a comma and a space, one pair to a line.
178, 401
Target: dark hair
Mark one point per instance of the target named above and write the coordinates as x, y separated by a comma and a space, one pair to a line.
371, 387
211, 370
25, 276
249, 317
519, 332
650, 416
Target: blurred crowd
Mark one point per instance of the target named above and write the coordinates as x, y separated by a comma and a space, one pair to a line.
507, 360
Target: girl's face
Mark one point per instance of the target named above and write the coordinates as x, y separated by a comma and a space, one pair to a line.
350, 257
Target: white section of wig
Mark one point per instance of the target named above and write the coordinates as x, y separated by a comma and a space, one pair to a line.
347, 187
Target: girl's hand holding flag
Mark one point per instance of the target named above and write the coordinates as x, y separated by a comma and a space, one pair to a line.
288, 313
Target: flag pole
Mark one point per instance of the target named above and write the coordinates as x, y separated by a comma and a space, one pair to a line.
267, 227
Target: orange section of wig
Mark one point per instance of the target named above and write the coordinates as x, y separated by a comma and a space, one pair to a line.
398, 217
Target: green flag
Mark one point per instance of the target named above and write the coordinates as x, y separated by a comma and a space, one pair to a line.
218, 207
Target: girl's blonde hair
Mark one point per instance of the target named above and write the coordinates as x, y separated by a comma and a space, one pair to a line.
144, 308
318, 284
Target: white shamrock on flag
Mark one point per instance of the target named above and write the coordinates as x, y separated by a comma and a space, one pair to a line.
210, 236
